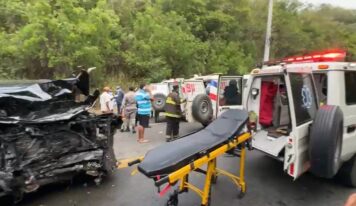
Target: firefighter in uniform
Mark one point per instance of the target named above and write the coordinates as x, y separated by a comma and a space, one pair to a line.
173, 114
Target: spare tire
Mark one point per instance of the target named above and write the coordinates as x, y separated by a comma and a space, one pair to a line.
159, 101
326, 141
202, 109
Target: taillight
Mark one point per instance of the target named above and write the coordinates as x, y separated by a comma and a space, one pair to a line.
291, 169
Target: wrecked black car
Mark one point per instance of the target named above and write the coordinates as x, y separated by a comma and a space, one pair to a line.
47, 135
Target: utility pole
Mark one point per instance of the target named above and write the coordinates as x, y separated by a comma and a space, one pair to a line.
268, 32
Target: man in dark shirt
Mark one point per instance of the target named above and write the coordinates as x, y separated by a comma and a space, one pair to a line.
231, 94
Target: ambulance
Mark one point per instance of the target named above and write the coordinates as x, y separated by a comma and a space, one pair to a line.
303, 112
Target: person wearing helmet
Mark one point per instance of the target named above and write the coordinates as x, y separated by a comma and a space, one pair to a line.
173, 113
231, 94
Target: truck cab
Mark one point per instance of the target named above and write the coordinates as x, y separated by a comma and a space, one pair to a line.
293, 105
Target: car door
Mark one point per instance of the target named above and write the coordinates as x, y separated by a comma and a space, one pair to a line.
229, 93
303, 107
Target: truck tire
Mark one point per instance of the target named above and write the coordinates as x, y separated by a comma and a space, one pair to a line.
202, 109
159, 101
326, 141
347, 173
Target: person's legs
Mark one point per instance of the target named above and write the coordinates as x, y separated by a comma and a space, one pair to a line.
119, 109
138, 127
175, 128
132, 121
142, 124
127, 121
169, 128
124, 126
145, 124
139, 133
143, 134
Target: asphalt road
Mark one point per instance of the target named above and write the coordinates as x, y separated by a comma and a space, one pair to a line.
267, 184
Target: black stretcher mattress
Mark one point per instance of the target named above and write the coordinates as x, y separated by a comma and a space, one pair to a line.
171, 156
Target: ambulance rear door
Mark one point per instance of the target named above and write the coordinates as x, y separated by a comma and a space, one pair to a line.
229, 93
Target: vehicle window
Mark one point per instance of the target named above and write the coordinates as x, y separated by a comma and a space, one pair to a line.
350, 85
321, 85
230, 91
304, 97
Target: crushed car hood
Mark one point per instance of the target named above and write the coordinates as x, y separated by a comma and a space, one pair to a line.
42, 100
48, 135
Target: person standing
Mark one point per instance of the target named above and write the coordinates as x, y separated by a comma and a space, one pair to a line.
106, 103
143, 101
129, 110
119, 98
173, 114
231, 94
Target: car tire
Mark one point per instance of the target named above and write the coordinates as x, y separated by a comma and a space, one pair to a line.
326, 141
159, 102
347, 173
202, 109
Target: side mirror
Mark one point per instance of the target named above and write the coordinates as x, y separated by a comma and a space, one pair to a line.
255, 92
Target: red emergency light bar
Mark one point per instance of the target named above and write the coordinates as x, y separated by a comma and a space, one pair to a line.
334, 55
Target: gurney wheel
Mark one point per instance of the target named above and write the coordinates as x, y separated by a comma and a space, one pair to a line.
241, 194
173, 200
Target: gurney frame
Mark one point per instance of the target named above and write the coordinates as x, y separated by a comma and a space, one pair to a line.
211, 174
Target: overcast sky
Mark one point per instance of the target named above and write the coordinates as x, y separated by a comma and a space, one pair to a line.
341, 3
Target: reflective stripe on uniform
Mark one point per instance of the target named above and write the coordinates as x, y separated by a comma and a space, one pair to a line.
170, 101
171, 115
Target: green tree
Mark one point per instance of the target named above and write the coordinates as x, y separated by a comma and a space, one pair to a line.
60, 35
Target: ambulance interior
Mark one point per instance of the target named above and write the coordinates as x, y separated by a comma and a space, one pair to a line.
269, 113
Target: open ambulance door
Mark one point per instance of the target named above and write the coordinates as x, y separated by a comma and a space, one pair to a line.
303, 108
229, 93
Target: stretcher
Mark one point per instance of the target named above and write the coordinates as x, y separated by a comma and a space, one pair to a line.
172, 162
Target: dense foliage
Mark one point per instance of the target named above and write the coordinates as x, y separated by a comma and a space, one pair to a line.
156, 39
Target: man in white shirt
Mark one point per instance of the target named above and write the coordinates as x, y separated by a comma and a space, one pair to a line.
106, 103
